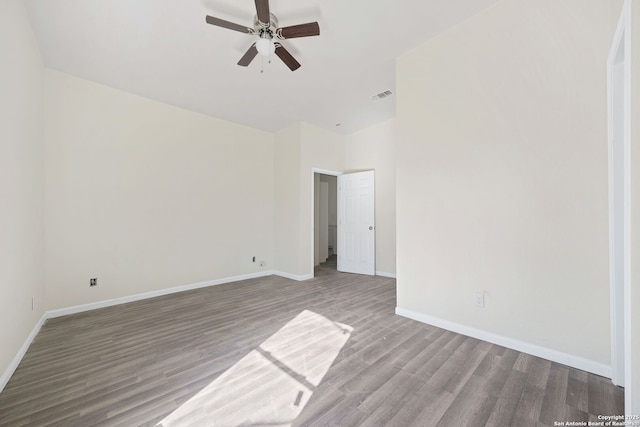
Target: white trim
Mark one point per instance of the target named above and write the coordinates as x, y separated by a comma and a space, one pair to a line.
314, 171
385, 274
6, 375
625, 16
525, 347
326, 172
621, 369
298, 277
617, 371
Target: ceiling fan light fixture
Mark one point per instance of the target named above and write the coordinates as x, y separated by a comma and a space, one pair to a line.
265, 46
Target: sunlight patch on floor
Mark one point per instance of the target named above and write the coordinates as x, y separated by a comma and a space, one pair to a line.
272, 384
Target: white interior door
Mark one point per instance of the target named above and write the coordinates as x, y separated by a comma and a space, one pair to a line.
356, 223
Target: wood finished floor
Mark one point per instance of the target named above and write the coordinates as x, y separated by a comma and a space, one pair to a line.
142, 363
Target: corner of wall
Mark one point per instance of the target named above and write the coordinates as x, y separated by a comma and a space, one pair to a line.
21, 183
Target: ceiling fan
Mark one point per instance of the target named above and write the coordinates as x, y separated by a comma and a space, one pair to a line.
265, 26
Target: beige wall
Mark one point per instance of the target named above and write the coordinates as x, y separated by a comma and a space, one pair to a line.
145, 196
375, 148
21, 181
502, 175
633, 406
287, 200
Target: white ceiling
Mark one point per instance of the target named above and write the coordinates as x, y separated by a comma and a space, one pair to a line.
164, 50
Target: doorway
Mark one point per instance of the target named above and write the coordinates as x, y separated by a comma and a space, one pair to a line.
325, 221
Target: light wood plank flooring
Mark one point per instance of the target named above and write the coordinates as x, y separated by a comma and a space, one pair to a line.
257, 352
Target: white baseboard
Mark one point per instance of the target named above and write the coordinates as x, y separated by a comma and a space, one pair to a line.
385, 274
298, 277
137, 297
6, 375
525, 347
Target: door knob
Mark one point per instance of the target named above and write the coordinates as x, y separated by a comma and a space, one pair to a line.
371, 227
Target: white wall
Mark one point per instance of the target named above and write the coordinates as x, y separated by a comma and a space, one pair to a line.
502, 176
375, 148
145, 196
21, 181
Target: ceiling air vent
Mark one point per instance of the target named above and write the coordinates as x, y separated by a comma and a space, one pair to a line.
381, 95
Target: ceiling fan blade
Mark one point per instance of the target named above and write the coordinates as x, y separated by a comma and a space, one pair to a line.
230, 25
286, 57
301, 30
248, 56
262, 10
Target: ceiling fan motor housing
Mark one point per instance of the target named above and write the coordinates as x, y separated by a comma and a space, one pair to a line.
266, 31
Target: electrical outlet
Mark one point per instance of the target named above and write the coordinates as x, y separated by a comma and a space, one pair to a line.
478, 299
93, 282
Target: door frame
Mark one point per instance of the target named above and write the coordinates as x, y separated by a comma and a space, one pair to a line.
620, 291
314, 171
